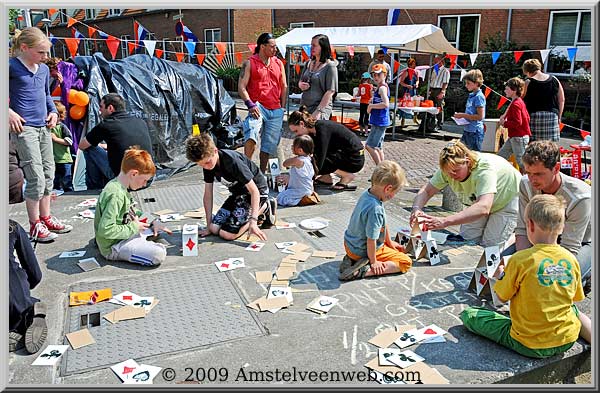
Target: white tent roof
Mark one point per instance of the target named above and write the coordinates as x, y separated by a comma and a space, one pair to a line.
412, 38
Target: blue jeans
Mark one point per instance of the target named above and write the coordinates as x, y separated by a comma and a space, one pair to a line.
63, 180
97, 170
270, 122
472, 140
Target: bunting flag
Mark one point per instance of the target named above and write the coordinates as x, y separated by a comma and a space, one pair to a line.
297, 67
571, 52
76, 33
220, 57
333, 54
221, 47
139, 32
179, 56
396, 66
393, 16
102, 34
350, 50
131, 47
200, 58
560, 126
191, 47
238, 58
465, 63
544, 53
113, 45
91, 31
462, 74
252, 47
503, 101
72, 44
487, 92
53, 39
51, 11
304, 57
306, 49
71, 21
452, 61
371, 49
384, 49
495, 56
159, 53
150, 45
473, 57
518, 54
436, 68
189, 35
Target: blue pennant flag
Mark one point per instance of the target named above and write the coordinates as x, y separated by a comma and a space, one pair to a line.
102, 34
53, 39
436, 68
495, 56
191, 47
306, 49
572, 52
384, 49
76, 33
189, 35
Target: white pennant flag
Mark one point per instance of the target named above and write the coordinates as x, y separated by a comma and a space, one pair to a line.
473, 57
544, 53
463, 72
371, 49
150, 45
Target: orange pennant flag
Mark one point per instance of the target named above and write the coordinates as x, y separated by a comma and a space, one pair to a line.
221, 47
502, 102
452, 61
113, 45
71, 22
159, 53
487, 91
252, 47
560, 125
91, 31
51, 11
333, 54
200, 58
297, 67
179, 56
72, 44
238, 57
304, 57
220, 57
518, 54
350, 50
131, 46
396, 66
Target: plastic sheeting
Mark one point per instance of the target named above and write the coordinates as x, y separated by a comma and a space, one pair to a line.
169, 96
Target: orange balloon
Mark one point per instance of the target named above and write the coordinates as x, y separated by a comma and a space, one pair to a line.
77, 112
82, 98
73, 96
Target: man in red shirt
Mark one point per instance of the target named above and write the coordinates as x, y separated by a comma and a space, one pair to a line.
263, 87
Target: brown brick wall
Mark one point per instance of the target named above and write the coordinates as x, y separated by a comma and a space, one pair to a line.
332, 17
248, 24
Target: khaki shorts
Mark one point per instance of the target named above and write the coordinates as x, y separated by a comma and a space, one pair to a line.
36, 158
494, 229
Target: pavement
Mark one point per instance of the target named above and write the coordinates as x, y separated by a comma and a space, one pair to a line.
294, 339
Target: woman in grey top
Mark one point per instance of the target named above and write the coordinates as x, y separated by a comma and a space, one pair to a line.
319, 81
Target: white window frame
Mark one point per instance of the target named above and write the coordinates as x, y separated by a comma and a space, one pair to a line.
300, 25
459, 16
114, 11
125, 39
91, 13
562, 49
64, 14
209, 45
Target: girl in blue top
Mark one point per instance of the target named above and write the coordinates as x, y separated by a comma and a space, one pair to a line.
380, 114
474, 112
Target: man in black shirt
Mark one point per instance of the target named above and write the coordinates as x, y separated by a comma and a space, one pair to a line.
120, 131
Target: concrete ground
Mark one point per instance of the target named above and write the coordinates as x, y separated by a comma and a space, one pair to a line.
294, 337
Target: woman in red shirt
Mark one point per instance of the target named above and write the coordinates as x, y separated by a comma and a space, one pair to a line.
516, 120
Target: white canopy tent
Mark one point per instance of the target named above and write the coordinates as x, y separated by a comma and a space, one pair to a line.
425, 38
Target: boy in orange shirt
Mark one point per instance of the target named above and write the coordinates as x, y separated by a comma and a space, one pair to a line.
365, 92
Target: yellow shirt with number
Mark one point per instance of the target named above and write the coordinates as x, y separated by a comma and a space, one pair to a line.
541, 283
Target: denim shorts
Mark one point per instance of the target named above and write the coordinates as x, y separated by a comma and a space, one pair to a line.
472, 140
270, 122
376, 137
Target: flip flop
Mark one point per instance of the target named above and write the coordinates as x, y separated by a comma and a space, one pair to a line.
318, 182
36, 333
343, 187
362, 266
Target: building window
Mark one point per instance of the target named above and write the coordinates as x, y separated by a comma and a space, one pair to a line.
462, 31
210, 37
301, 24
569, 29
114, 11
125, 39
65, 13
91, 13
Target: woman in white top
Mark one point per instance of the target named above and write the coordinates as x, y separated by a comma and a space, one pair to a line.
302, 171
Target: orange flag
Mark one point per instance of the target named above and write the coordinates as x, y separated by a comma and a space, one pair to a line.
518, 54
297, 67
304, 57
487, 91
72, 44
252, 47
396, 66
452, 61
238, 57
220, 57
200, 58
51, 11
350, 50
503, 101
221, 47
560, 126
71, 22
179, 56
131, 46
113, 45
91, 31
159, 53
333, 54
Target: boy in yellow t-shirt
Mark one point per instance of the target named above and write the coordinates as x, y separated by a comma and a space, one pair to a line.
541, 283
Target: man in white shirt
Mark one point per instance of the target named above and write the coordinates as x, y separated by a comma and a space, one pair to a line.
379, 59
438, 83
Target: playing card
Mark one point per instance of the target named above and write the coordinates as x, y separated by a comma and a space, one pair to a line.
144, 375
405, 359
284, 245
298, 247
80, 338
88, 202
274, 166
322, 304
88, 264
256, 246
50, 355
406, 339
432, 252
72, 254
275, 292
433, 340
87, 213
125, 298
492, 259
385, 353
125, 370
428, 332
145, 302
263, 277
171, 217
230, 264
284, 225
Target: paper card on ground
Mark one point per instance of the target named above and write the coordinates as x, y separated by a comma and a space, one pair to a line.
281, 291
170, 217
150, 307
254, 304
299, 256
144, 375
125, 370
280, 283
249, 240
124, 313
425, 375
284, 245
385, 353
87, 213
89, 297
144, 302
230, 264
298, 247
80, 338
257, 246
72, 254
405, 359
284, 225
290, 264
163, 212
322, 304
373, 364
194, 214
263, 277
386, 337
310, 287
273, 303
433, 340
88, 264
50, 355
125, 298
88, 202
285, 273
428, 332
324, 254
454, 251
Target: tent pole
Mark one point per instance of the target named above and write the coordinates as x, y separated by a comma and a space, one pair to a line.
288, 58
428, 87
396, 98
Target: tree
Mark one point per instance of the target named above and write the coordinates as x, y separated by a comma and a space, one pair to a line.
13, 14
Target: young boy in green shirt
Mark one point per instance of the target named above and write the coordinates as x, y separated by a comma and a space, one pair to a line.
62, 140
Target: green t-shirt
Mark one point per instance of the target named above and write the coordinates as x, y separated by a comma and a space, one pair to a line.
62, 153
114, 219
491, 175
